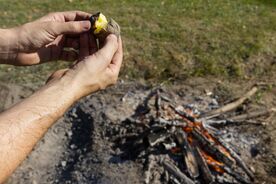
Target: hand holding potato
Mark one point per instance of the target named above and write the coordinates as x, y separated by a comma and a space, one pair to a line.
44, 40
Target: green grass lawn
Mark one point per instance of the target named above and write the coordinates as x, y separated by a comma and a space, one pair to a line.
170, 40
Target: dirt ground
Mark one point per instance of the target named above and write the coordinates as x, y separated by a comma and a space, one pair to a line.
78, 148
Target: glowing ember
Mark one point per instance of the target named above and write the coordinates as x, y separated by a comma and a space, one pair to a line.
191, 125
216, 165
175, 150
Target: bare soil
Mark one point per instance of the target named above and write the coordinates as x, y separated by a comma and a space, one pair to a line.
78, 148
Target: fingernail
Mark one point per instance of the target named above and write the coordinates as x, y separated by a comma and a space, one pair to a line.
86, 24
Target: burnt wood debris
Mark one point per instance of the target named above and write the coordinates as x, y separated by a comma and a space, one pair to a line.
178, 144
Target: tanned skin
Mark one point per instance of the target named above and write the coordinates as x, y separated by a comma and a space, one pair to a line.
43, 40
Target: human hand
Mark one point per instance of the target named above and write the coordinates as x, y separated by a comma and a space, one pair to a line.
46, 38
98, 68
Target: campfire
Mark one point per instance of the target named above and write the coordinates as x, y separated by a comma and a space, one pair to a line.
179, 144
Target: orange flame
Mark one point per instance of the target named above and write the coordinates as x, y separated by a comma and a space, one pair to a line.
200, 127
216, 165
175, 150
190, 139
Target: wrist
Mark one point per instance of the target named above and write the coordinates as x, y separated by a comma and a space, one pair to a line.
8, 45
73, 86
78, 86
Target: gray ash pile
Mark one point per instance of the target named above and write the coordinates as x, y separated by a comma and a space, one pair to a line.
179, 144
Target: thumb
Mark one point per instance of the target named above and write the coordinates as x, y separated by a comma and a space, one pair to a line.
73, 27
106, 53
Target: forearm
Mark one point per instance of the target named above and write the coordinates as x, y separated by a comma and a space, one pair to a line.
24, 124
8, 45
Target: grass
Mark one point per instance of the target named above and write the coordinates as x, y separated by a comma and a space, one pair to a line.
170, 39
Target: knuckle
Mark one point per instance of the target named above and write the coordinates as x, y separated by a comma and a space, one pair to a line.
50, 24
73, 26
52, 14
50, 27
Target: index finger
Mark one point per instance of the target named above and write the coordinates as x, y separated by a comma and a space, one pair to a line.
66, 16
75, 15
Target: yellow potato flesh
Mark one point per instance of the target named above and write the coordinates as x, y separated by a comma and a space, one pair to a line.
100, 24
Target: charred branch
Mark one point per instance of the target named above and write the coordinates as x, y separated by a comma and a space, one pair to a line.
156, 138
228, 122
237, 158
211, 147
149, 166
251, 115
188, 154
183, 114
179, 123
157, 103
173, 170
236, 175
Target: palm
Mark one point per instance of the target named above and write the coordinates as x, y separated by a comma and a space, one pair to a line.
43, 46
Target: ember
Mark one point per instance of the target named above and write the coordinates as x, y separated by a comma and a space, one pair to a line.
181, 145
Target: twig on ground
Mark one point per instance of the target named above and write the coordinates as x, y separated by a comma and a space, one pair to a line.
230, 106
251, 115
221, 123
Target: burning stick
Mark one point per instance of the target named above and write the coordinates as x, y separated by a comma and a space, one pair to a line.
230, 106
173, 169
244, 167
221, 168
183, 114
211, 147
238, 159
204, 169
188, 154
